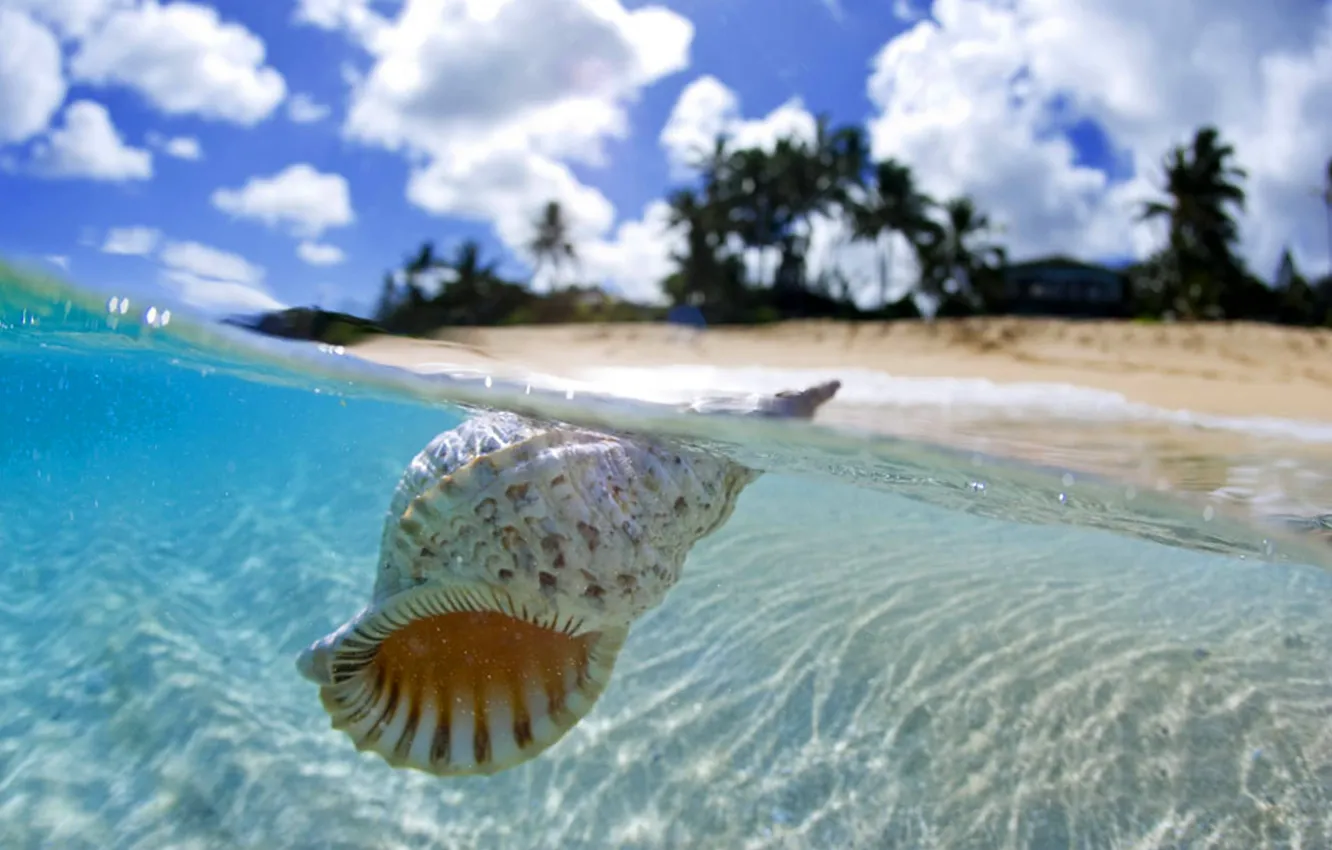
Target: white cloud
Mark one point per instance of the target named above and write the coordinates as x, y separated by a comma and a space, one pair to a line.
184, 59
354, 16
490, 102
180, 147
978, 103
707, 108
637, 257
60, 261
88, 146
320, 253
907, 10
552, 73
73, 19
211, 279
507, 185
302, 109
205, 261
32, 86
183, 147
299, 198
214, 295
131, 241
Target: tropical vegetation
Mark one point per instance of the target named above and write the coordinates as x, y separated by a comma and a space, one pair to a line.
748, 198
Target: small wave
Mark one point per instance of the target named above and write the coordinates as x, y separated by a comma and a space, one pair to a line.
965, 396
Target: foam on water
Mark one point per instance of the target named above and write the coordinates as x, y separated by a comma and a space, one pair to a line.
871, 653
964, 396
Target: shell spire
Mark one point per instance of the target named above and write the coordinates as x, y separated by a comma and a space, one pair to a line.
515, 557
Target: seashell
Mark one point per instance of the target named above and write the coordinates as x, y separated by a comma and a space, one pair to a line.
514, 560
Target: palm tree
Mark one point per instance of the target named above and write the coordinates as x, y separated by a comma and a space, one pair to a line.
704, 275
960, 249
388, 298
753, 199
551, 244
420, 263
712, 165
1201, 185
891, 205
471, 280
800, 188
471, 297
848, 157
1327, 206
815, 178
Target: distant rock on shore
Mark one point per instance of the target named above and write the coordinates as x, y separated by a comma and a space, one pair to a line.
307, 323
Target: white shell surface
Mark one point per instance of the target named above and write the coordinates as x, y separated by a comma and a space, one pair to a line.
585, 528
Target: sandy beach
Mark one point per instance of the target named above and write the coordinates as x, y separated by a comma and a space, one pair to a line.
1233, 369
1250, 371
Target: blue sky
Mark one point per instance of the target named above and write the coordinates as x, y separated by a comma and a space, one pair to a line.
1041, 179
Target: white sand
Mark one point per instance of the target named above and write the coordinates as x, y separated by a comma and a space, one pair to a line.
1233, 369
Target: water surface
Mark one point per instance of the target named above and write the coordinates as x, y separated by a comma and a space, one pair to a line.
891, 644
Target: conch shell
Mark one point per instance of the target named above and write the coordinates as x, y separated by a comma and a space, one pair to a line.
515, 558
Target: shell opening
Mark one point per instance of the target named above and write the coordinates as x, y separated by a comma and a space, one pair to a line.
453, 682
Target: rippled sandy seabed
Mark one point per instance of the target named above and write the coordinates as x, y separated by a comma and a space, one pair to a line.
840, 667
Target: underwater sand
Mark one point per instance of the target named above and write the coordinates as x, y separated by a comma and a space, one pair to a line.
898, 665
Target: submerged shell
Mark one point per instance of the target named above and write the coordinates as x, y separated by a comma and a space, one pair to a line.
553, 541
515, 557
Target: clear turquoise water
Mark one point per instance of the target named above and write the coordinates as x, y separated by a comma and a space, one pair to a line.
876, 651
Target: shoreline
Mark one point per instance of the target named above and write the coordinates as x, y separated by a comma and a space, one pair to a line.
1240, 370
1227, 370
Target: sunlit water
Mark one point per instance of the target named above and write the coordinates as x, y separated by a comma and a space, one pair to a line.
889, 645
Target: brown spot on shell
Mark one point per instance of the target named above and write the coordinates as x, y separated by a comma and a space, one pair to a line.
481, 735
552, 546
548, 582
439, 748
552, 543
522, 725
403, 746
486, 508
590, 535
517, 492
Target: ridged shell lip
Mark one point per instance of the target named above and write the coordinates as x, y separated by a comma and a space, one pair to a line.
457, 680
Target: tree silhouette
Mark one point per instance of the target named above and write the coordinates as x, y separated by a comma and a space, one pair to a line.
417, 265
891, 205
551, 244
388, 298
766, 200
1201, 186
1327, 208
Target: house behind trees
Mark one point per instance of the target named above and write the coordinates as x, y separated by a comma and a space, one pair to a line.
1061, 286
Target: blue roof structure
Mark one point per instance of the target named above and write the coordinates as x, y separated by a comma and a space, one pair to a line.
686, 314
